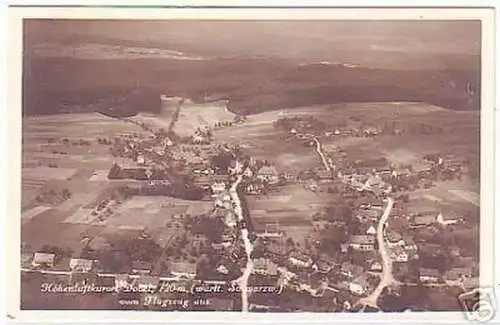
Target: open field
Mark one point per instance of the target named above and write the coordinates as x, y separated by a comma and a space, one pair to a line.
89, 125
47, 173
260, 139
193, 116
141, 213
33, 212
42, 144
451, 191
459, 132
291, 208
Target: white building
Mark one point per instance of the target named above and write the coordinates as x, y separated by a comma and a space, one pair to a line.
218, 187
43, 259
141, 160
81, 265
371, 231
445, 221
356, 288
300, 260
222, 269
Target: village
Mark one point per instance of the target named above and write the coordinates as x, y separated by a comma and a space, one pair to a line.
339, 261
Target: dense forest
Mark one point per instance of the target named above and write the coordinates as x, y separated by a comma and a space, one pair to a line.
125, 86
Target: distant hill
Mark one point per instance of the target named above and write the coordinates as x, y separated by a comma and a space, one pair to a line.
126, 86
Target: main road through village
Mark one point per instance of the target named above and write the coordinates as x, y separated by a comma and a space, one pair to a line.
243, 280
386, 278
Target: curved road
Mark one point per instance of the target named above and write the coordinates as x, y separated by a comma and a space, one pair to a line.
387, 277
243, 280
321, 154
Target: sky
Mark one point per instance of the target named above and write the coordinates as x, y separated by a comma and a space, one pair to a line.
301, 40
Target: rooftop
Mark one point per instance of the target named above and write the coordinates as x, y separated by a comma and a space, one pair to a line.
362, 239
429, 272
40, 257
183, 267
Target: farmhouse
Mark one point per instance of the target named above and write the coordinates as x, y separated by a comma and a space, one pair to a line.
376, 266
218, 187
447, 219
368, 229
183, 269
268, 174
230, 219
43, 260
362, 242
300, 259
81, 265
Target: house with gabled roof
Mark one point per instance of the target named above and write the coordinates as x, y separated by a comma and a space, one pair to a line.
41, 259
183, 269
81, 265
300, 259
362, 242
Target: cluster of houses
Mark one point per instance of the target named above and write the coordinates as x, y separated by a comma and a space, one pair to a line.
141, 274
366, 182
404, 249
367, 131
299, 271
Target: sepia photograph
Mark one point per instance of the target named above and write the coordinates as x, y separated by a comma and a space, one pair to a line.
261, 165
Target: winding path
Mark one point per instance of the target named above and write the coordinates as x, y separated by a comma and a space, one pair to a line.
387, 277
243, 280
